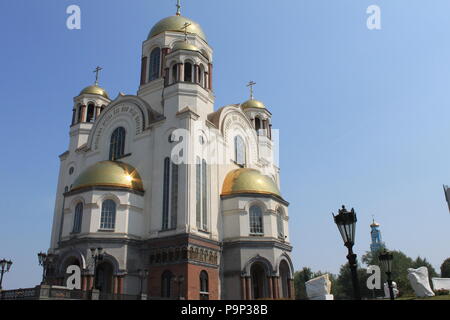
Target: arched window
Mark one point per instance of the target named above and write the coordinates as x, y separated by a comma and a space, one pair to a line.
78, 218
256, 220
285, 287
280, 224
155, 59
166, 284
90, 112
108, 218
170, 195
239, 150
117, 145
258, 124
204, 286
188, 72
174, 73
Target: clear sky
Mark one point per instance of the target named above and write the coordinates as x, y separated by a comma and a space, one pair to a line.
364, 116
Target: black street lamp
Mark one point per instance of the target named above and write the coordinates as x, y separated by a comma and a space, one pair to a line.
386, 258
45, 260
5, 267
97, 255
346, 222
143, 274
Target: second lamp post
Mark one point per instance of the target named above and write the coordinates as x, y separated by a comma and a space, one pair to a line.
386, 258
346, 222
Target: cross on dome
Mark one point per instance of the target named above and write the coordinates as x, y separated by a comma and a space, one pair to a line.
97, 71
185, 27
251, 84
178, 8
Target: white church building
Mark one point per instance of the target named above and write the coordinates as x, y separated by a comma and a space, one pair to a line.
162, 182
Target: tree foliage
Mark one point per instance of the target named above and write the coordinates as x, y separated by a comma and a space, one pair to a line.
445, 269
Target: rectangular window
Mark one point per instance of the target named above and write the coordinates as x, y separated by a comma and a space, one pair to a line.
174, 199
198, 194
165, 216
204, 196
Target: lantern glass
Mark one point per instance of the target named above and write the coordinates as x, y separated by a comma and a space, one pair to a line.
346, 222
3, 264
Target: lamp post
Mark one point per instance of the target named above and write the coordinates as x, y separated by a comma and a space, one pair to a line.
386, 258
346, 223
143, 274
97, 255
45, 260
5, 267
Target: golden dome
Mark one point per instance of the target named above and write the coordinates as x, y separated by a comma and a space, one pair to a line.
252, 103
109, 174
246, 180
183, 45
375, 224
94, 89
176, 23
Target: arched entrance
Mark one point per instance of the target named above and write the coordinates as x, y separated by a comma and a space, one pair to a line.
259, 281
104, 278
71, 261
285, 276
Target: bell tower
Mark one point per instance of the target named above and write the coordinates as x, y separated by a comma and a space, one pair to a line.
177, 67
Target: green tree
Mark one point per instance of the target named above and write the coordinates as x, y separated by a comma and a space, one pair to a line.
343, 288
303, 276
445, 269
400, 265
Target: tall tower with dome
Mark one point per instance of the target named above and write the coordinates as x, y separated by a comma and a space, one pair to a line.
163, 182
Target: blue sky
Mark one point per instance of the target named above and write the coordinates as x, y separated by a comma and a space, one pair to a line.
363, 115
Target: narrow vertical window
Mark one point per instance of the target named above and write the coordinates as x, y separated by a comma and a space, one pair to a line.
257, 124
188, 72
90, 112
155, 59
174, 197
166, 284
108, 218
80, 113
78, 218
204, 286
117, 144
198, 193
280, 226
74, 113
239, 151
204, 196
256, 220
166, 188
175, 73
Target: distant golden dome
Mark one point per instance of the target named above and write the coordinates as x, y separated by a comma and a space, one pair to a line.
252, 103
246, 180
183, 45
94, 89
176, 23
109, 174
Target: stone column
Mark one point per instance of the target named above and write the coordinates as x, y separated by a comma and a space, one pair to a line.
277, 287
115, 284
196, 78
144, 70
120, 285
248, 287
180, 72
210, 71
243, 289
83, 114
291, 289
269, 280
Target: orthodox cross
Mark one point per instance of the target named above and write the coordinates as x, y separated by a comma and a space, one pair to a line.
96, 71
178, 8
185, 26
251, 84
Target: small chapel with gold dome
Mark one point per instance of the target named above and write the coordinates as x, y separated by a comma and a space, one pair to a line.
183, 201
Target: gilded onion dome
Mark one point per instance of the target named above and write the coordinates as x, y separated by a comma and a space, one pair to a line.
375, 224
184, 45
176, 24
109, 174
245, 180
252, 103
94, 89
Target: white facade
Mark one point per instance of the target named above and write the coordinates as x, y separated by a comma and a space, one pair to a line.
173, 116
